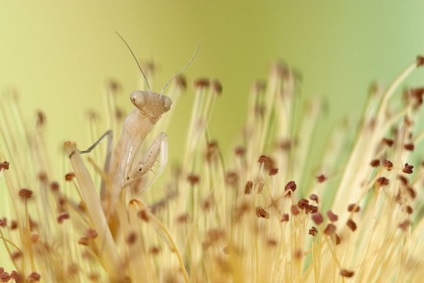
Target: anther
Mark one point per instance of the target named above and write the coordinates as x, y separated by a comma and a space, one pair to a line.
351, 224
346, 273
261, 212
333, 217
388, 164
420, 61
317, 218
313, 231
407, 169
25, 194
4, 165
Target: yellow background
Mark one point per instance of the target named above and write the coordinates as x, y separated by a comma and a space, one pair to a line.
58, 54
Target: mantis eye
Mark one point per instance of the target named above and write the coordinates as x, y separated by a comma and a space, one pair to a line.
167, 103
138, 98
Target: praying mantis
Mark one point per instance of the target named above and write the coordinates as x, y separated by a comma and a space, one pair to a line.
122, 166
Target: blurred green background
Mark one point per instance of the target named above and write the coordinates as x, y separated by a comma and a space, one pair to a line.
58, 54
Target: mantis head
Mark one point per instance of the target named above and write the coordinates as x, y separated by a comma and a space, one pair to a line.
151, 104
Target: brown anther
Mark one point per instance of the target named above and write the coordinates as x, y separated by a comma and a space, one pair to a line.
202, 83
181, 82
285, 144
409, 209
16, 255
214, 235
330, 229
263, 159
82, 206
4, 165
317, 218
314, 198
144, 215
346, 273
267, 162
3, 222
336, 239
131, 238
303, 203
211, 150
119, 114
417, 95
294, 210
41, 118
353, 208
182, 218
420, 61
34, 276
375, 163
70, 176
61, 201
91, 233
155, 250
231, 178
411, 192
5, 277
382, 181
32, 224
403, 179
388, 164
351, 224
311, 209
54, 186
13, 225
313, 231
207, 203
285, 217
272, 242
216, 86
84, 241
321, 178
62, 217
388, 142
240, 150
193, 179
298, 254
248, 187
333, 217
113, 85
290, 186
25, 194
35, 238
409, 146
407, 169
273, 171
261, 212
92, 115
16, 276
404, 225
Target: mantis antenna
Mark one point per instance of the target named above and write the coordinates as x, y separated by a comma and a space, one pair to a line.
135, 58
180, 71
